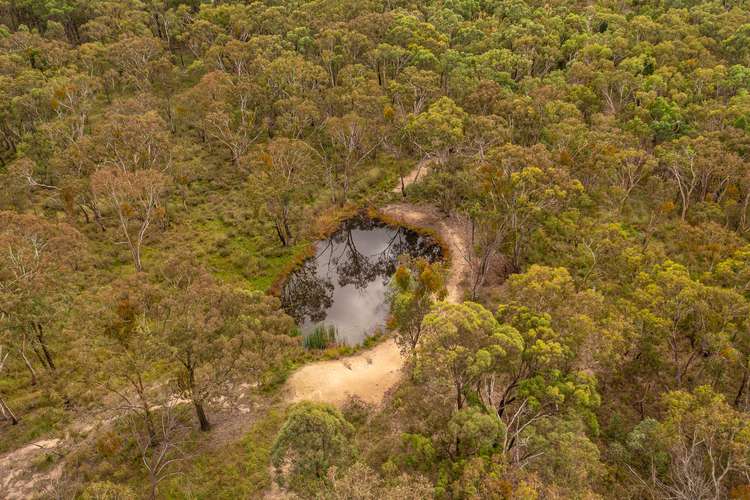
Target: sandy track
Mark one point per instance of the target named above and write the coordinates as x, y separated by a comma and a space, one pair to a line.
17, 482
421, 170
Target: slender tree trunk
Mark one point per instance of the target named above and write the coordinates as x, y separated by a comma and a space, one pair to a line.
29, 366
154, 486
345, 194
136, 251
743, 216
97, 215
201, 414
40, 337
280, 233
6, 412
741, 390
149, 423
85, 214
507, 398
287, 229
148, 418
39, 355
459, 399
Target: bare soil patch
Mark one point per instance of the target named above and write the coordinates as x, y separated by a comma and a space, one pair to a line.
367, 375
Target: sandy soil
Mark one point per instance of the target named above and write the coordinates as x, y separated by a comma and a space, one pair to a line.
422, 168
367, 375
17, 480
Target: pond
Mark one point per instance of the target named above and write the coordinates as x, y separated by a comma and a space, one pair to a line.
344, 285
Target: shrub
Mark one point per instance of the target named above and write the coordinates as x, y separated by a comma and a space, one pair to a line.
314, 437
106, 490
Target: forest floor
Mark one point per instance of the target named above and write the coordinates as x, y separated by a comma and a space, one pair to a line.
28, 471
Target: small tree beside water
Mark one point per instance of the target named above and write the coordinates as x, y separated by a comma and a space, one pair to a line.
415, 287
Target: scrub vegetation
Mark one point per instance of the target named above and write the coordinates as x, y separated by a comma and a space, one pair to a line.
586, 166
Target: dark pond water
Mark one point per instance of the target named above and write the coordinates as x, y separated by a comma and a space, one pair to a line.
345, 283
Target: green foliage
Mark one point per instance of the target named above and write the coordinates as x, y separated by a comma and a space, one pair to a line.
314, 438
668, 122
474, 433
572, 462
590, 161
107, 491
699, 435
415, 287
438, 129
239, 469
418, 452
462, 342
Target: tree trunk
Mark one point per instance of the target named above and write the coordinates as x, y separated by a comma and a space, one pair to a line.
154, 487
459, 399
281, 235
345, 194
39, 355
6, 412
741, 390
151, 429
287, 229
202, 418
743, 216
40, 337
136, 251
30, 367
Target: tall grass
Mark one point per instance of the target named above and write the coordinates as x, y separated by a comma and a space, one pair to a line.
322, 337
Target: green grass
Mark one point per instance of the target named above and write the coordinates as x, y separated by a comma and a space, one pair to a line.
32, 426
39, 413
229, 250
236, 470
321, 337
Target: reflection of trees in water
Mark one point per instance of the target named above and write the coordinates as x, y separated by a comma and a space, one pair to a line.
351, 266
309, 293
354, 267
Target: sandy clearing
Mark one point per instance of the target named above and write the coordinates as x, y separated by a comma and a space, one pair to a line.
17, 482
367, 375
